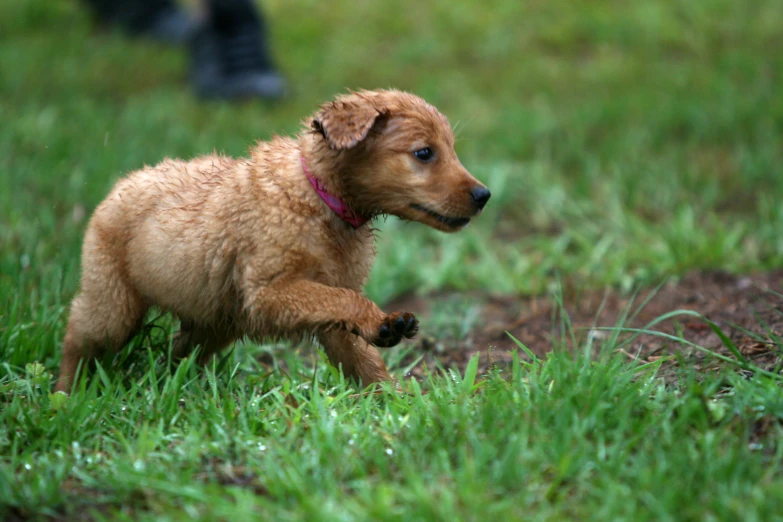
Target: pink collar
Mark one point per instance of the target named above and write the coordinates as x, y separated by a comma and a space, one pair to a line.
340, 207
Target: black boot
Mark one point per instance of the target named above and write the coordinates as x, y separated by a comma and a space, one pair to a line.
229, 54
161, 20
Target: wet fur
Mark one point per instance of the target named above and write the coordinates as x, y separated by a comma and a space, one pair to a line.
245, 247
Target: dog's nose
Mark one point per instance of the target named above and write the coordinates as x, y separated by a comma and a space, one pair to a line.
480, 196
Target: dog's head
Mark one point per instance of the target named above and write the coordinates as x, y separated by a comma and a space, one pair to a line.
395, 155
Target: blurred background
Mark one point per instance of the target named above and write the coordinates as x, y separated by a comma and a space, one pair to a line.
622, 141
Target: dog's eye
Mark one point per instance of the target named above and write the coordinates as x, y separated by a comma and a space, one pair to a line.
424, 154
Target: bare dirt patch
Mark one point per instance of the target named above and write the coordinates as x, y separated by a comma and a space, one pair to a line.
748, 309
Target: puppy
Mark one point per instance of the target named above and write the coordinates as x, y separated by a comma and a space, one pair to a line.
274, 245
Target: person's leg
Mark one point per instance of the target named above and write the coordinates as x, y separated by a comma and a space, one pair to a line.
162, 20
230, 54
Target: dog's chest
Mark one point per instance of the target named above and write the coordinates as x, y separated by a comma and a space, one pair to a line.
348, 257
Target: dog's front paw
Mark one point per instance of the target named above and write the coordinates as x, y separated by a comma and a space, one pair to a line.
394, 327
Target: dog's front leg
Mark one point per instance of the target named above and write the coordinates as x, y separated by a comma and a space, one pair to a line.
306, 306
359, 361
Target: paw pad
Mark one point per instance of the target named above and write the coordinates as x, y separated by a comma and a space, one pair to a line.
395, 327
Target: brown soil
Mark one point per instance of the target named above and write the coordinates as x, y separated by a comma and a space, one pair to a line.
748, 309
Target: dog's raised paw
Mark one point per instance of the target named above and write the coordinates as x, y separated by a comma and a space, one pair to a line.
395, 327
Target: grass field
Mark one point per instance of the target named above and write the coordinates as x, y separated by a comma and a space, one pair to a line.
624, 142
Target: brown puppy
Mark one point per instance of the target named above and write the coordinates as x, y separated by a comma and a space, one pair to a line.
275, 244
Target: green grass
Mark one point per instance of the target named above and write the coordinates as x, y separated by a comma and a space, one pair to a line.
623, 142
568, 438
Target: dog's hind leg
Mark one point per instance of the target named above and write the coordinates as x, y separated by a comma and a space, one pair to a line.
359, 361
104, 316
211, 340
94, 328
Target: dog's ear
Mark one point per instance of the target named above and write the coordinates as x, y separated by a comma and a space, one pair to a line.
346, 123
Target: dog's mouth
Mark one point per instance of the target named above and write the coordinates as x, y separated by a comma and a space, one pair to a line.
450, 222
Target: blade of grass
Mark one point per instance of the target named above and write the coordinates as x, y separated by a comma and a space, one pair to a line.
741, 363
